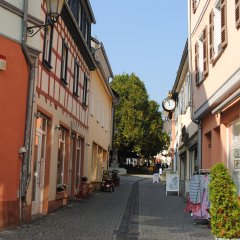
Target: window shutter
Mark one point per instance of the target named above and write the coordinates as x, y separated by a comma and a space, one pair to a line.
194, 5
196, 63
223, 23
205, 53
211, 36
237, 13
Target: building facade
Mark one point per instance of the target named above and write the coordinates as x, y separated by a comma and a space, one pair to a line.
17, 59
184, 131
101, 115
53, 74
214, 35
61, 124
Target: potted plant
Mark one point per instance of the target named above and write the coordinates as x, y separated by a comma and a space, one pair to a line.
225, 208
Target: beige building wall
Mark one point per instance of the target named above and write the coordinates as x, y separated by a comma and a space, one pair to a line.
100, 126
225, 66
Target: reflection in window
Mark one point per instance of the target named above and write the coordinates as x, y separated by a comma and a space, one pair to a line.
64, 63
47, 48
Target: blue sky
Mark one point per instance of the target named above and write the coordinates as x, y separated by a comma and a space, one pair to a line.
143, 37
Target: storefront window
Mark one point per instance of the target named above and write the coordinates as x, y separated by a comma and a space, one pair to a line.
234, 152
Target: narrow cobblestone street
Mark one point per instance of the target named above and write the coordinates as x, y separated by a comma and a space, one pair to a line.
138, 209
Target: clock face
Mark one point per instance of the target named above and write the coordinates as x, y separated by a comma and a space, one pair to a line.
169, 104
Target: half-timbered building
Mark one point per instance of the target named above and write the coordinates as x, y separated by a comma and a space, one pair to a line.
61, 123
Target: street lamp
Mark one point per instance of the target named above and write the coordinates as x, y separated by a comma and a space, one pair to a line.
54, 8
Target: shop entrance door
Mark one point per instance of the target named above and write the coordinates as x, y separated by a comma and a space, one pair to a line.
38, 172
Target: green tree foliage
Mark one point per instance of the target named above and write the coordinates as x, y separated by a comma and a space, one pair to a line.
224, 209
137, 119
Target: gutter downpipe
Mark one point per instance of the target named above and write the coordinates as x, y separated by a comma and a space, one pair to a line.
25, 171
196, 121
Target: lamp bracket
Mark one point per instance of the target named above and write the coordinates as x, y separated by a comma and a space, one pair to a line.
33, 30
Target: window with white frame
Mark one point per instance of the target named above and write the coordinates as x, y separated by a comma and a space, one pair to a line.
61, 155
78, 162
47, 48
92, 104
98, 111
201, 57
76, 76
186, 90
107, 121
85, 90
103, 116
64, 62
217, 29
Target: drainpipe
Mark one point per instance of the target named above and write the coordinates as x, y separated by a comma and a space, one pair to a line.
25, 171
196, 121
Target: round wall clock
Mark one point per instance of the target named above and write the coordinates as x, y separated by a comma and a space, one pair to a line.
169, 104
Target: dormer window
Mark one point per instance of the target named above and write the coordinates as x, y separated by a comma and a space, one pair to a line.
82, 20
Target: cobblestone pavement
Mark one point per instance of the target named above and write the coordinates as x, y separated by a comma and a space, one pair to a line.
137, 210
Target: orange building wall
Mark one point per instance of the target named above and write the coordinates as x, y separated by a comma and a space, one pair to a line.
214, 135
211, 141
13, 95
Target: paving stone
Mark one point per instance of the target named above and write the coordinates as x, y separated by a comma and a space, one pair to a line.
137, 210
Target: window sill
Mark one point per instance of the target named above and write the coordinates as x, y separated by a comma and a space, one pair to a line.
64, 82
217, 57
47, 65
75, 95
84, 105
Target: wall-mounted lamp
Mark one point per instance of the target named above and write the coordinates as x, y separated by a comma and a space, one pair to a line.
87, 144
54, 8
58, 127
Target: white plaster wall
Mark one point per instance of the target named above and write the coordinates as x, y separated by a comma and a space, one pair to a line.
13, 27
57, 118
16, 3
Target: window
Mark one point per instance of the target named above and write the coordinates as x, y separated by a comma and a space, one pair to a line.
47, 48
186, 90
107, 120
92, 104
195, 5
103, 116
80, 16
85, 90
73, 4
237, 13
76, 78
98, 111
78, 163
64, 63
79, 19
217, 29
201, 57
61, 155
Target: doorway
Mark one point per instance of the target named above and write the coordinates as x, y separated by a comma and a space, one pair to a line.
39, 165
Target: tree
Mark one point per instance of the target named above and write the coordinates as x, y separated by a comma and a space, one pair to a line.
137, 119
224, 209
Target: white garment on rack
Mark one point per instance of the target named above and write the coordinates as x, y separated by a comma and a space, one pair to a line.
198, 184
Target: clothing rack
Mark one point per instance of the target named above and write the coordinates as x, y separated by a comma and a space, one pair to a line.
201, 213
202, 171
